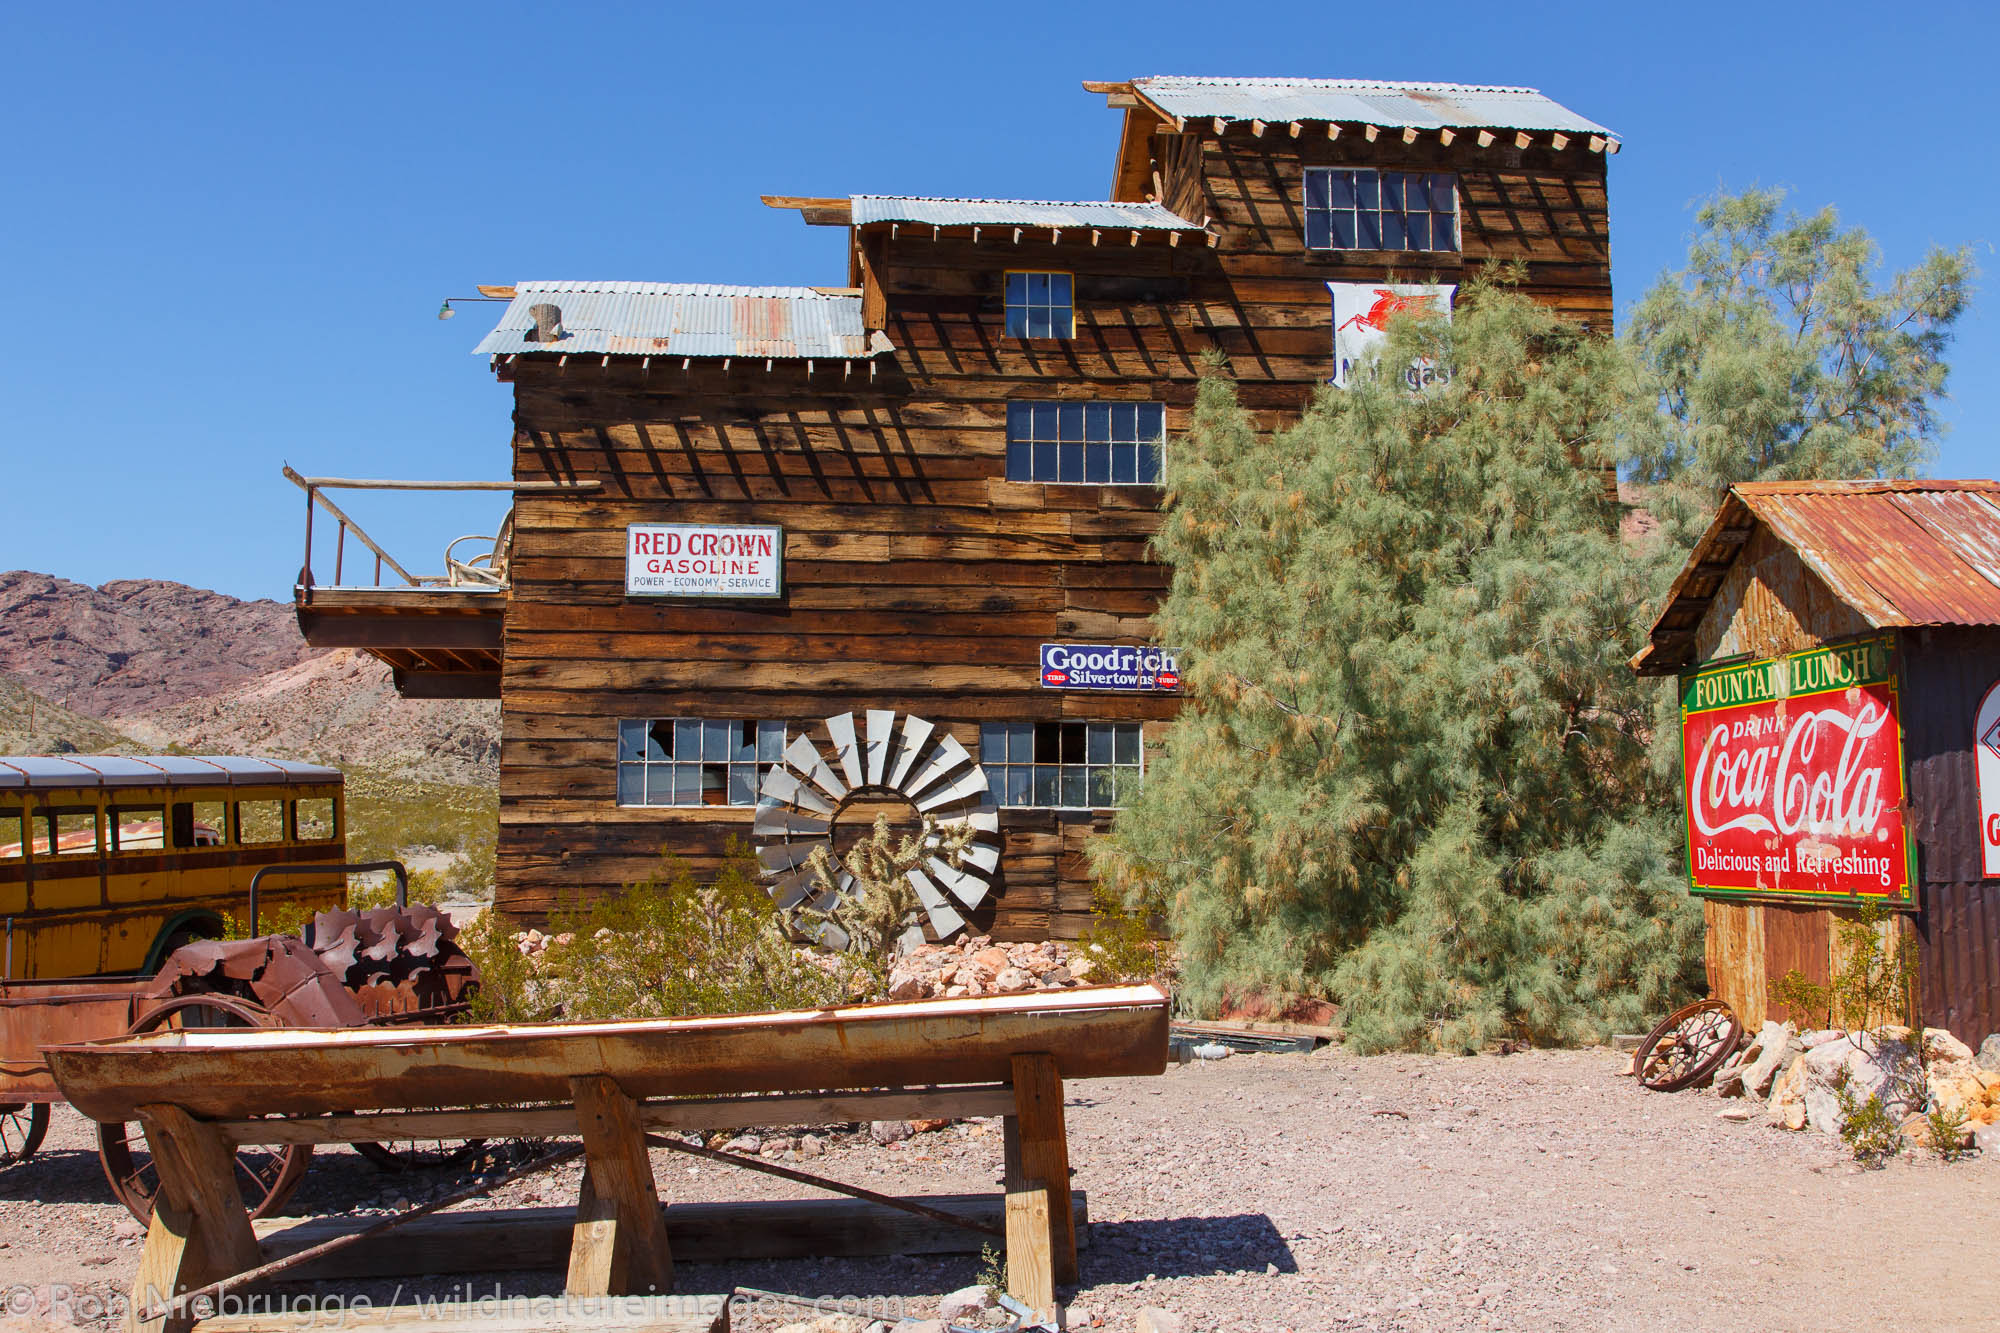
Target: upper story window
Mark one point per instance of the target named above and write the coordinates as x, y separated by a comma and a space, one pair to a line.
1112, 443
1039, 305
694, 761
1362, 209
1060, 765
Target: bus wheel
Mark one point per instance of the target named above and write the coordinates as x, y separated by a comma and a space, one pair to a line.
22, 1125
266, 1175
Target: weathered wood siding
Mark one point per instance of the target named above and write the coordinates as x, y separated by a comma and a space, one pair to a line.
917, 577
1770, 604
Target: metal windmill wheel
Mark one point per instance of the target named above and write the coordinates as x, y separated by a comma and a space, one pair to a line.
906, 756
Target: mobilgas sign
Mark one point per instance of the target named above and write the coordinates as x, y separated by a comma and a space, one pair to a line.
699, 560
1108, 666
1794, 773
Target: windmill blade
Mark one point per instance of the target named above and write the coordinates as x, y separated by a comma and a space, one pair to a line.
985, 817
986, 857
964, 788
804, 756
915, 732
783, 856
774, 820
832, 936
783, 786
790, 891
968, 889
840, 728
945, 921
948, 755
927, 892
910, 940
881, 725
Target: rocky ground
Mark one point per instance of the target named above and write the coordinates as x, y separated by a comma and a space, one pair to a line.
1307, 1192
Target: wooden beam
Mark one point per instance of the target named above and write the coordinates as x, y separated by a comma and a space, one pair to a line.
1221, 125
620, 1243
674, 1115
1044, 1156
632, 1314
1297, 126
818, 211
1369, 132
1486, 138
1558, 141
1446, 135
1523, 139
1256, 129
1409, 134
200, 1231
1332, 130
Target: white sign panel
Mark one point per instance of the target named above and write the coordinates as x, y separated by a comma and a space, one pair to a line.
1361, 314
702, 560
1986, 747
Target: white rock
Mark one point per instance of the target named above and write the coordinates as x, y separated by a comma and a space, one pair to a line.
964, 1303
1772, 1045
1989, 1052
1153, 1319
1871, 1065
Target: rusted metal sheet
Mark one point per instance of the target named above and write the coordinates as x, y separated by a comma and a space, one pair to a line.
1094, 1032
1959, 958
34, 1014
1735, 957
1796, 939
685, 320
1898, 553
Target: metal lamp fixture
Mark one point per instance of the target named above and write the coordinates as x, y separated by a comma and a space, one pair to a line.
445, 311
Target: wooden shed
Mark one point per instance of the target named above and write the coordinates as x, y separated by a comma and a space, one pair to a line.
1836, 644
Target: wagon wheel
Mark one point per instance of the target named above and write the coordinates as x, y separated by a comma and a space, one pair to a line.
421, 1154
1688, 1046
22, 1125
267, 1176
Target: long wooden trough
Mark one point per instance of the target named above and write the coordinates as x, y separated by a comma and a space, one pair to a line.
201, 1093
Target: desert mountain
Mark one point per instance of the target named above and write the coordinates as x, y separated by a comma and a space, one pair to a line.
339, 708
156, 665
134, 645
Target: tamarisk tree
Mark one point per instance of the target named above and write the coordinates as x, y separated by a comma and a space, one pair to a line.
1411, 770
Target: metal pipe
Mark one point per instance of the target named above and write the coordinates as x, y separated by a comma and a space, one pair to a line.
381, 484
306, 570
339, 553
347, 868
821, 1182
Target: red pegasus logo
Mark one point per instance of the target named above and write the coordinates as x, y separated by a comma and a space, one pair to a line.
1389, 303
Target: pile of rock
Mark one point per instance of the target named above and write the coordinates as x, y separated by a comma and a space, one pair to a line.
978, 966
1798, 1076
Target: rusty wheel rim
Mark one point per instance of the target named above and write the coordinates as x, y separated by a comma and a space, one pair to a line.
1688, 1045
267, 1177
22, 1125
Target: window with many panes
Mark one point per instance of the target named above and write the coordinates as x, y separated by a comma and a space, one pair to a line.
694, 761
1350, 208
1039, 305
1112, 443
1060, 765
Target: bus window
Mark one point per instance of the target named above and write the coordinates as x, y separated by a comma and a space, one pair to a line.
260, 821
138, 828
11, 839
313, 818
199, 823
76, 832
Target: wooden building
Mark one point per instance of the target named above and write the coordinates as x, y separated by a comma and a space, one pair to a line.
1878, 603
958, 448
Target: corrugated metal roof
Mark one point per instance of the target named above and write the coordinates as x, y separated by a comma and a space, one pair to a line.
1424, 106
1016, 213
1901, 553
685, 319
154, 770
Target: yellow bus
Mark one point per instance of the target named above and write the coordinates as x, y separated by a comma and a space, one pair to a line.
108, 863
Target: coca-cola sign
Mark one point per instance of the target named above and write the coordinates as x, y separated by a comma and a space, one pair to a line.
1794, 772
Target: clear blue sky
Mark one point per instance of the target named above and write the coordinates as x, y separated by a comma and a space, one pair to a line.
228, 227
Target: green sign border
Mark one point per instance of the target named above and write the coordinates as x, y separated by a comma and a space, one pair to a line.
1824, 670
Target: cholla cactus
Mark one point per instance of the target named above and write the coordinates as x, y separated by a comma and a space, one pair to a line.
881, 903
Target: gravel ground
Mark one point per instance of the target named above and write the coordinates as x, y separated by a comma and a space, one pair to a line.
1534, 1191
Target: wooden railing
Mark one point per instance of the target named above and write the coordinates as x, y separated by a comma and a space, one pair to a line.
482, 564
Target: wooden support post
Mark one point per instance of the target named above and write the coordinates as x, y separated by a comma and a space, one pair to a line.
1041, 1225
200, 1229
619, 1244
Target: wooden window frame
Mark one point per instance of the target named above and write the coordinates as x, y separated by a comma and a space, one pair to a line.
1008, 305
647, 765
1307, 209
1027, 452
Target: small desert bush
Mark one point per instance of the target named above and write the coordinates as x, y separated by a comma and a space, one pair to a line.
669, 946
1120, 940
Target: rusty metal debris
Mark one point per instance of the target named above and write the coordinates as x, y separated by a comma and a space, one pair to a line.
1688, 1045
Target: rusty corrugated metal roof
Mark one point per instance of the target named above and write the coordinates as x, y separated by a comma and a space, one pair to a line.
1424, 106
1016, 212
1901, 553
685, 319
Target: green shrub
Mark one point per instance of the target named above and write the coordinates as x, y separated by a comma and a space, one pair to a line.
1867, 1128
666, 947
1119, 940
